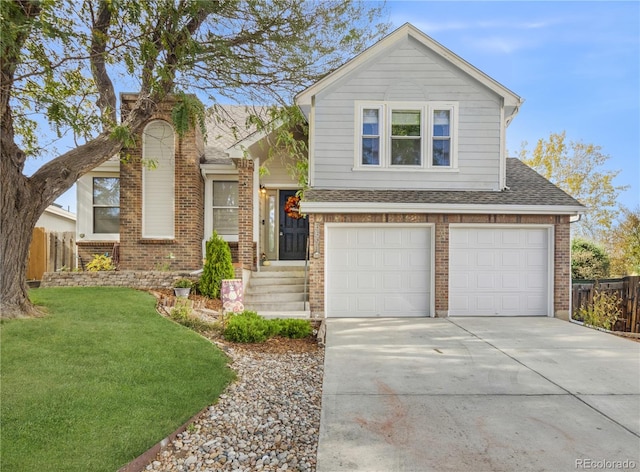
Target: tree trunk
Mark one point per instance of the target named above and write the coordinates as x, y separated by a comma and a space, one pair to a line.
19, 215
14, 300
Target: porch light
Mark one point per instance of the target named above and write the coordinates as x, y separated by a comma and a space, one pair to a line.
263, 190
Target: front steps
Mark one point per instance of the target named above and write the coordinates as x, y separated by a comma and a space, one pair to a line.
277, 291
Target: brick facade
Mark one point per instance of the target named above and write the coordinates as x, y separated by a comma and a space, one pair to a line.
562, 255
246, 246
184, 251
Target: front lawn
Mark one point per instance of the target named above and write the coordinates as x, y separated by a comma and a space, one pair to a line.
99, 380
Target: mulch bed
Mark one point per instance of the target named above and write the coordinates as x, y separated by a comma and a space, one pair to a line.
275, 345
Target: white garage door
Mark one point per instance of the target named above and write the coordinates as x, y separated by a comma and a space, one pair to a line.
498, 271
378, 270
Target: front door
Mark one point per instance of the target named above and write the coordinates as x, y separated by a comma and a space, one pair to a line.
293, 231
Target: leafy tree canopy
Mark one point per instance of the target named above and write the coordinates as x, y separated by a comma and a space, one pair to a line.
63, 62
624, 244
589, 261
578, 169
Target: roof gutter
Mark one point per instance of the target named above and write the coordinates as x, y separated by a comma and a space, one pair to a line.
445, 208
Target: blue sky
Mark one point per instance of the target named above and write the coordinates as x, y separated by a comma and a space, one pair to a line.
576, 64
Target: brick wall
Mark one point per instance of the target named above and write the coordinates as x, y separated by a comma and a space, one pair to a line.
184, 252
562, 255
246, 249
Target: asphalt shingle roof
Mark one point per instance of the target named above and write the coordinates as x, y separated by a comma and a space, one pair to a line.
526, 187
227, 125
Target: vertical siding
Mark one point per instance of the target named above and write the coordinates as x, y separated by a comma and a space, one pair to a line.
408, 72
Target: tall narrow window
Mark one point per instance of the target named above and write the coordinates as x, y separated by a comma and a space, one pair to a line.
406, 138
158, 181
371, 137
106, 205
441, 138
225, 208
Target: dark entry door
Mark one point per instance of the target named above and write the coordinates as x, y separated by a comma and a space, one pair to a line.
293, 232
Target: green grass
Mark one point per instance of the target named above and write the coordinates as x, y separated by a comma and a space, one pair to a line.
99, 380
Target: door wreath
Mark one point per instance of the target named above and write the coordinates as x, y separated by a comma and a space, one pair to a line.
292, 207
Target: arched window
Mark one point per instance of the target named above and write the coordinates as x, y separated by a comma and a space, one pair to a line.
158, 181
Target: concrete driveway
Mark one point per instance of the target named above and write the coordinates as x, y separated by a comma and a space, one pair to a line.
478, 394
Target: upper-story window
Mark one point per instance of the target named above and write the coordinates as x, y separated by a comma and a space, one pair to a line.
106, 205
406, 135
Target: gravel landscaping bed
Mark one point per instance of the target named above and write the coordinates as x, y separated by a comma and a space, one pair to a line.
268, 420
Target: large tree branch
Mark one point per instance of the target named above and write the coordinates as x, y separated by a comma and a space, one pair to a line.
17, 13
107, 97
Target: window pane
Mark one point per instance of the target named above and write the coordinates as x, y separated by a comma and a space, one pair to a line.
405, 123
225, 194
371, 151
106, 191
405, 152
225, 221
370, 122
441, 122
106, 220
441, 152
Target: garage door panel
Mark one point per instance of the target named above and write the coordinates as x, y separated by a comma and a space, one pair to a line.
365, 258
484, 239
365, 281
537, 239
393, 260
392, 281
485, 259
391, 237
387, 274
498, 271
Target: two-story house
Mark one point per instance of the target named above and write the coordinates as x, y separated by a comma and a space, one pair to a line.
413, 207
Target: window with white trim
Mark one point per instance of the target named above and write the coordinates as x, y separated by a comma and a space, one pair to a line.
106, 205
225, 207
406, 135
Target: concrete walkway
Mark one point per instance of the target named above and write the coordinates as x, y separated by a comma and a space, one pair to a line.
478, 394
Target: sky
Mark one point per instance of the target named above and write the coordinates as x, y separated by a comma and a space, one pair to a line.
576, 65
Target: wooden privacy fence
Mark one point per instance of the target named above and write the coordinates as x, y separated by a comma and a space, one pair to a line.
628, 291
50, 252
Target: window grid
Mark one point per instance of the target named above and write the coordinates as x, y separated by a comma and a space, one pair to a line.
411, 135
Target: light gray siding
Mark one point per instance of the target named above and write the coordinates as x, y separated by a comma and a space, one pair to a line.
278, 174
407, 72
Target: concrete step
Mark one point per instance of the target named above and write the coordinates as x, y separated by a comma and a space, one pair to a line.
274, 297
275, 282
289, 288
282, 272
273, 307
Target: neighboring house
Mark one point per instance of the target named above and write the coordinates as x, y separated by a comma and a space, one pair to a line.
413, 208
56, 219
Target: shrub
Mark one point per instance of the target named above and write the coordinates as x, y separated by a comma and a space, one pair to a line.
183, 313
183, 283
100, 262
293, 328
603, 312
249, 327
588, 260
218, 266
182, 310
